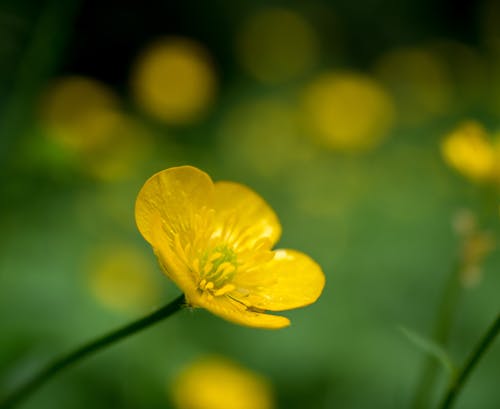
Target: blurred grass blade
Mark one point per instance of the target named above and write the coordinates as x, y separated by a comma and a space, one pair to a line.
48, 34
429, 347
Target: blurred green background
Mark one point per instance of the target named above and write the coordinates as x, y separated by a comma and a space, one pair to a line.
334, 111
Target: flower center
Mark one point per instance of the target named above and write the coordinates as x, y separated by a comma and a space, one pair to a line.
217, 267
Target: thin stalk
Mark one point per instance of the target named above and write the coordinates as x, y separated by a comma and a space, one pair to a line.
441, 335
477, 353
65, 361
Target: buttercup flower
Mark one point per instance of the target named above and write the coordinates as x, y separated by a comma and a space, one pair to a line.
214, 240
218, 383
469, 150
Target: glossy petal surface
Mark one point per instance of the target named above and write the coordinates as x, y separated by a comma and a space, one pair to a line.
176, 195
238, 313
214, 241
290, 280
243, 216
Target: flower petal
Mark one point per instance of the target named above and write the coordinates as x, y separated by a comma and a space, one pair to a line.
290, 280
176, 194
171, 263
237, 313
243, 216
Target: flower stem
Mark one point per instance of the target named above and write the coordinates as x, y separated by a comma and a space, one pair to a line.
441, 334
87, 349
458, 382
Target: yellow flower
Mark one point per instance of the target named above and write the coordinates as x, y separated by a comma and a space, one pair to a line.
217, 383
174, 81
214, 240
469, 150
121, 279
347, 111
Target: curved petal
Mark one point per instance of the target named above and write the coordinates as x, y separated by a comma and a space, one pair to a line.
290, 280
176, 195
243, 216
171, 262
237, 313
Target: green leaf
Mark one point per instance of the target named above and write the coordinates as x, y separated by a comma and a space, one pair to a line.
429, 347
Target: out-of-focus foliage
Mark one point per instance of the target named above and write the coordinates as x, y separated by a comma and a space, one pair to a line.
419, 81
264, 135
277, 45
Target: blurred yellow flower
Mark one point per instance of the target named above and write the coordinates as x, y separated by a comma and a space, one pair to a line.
174, 81
217, 383
469, 150
122, 279
476, 248
347, 111
476, 245
214, 241
79, 113
277, 45
82, 117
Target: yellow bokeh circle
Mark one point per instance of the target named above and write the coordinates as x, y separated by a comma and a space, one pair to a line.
79, 113
469, 150
347, 111
218, 383
82, 119
174, 81
122, 279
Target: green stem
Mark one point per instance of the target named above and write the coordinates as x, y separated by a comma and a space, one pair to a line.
85, 350
458, 382
441, 334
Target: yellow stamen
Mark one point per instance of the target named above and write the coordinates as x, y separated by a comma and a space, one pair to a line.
226, 289
208, 267
215, 256
228, 269
226, 266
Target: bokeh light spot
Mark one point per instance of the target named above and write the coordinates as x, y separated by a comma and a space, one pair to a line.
217, 383
174, 81
347, 111
78, 112
82, 117
468, 150
122, 279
